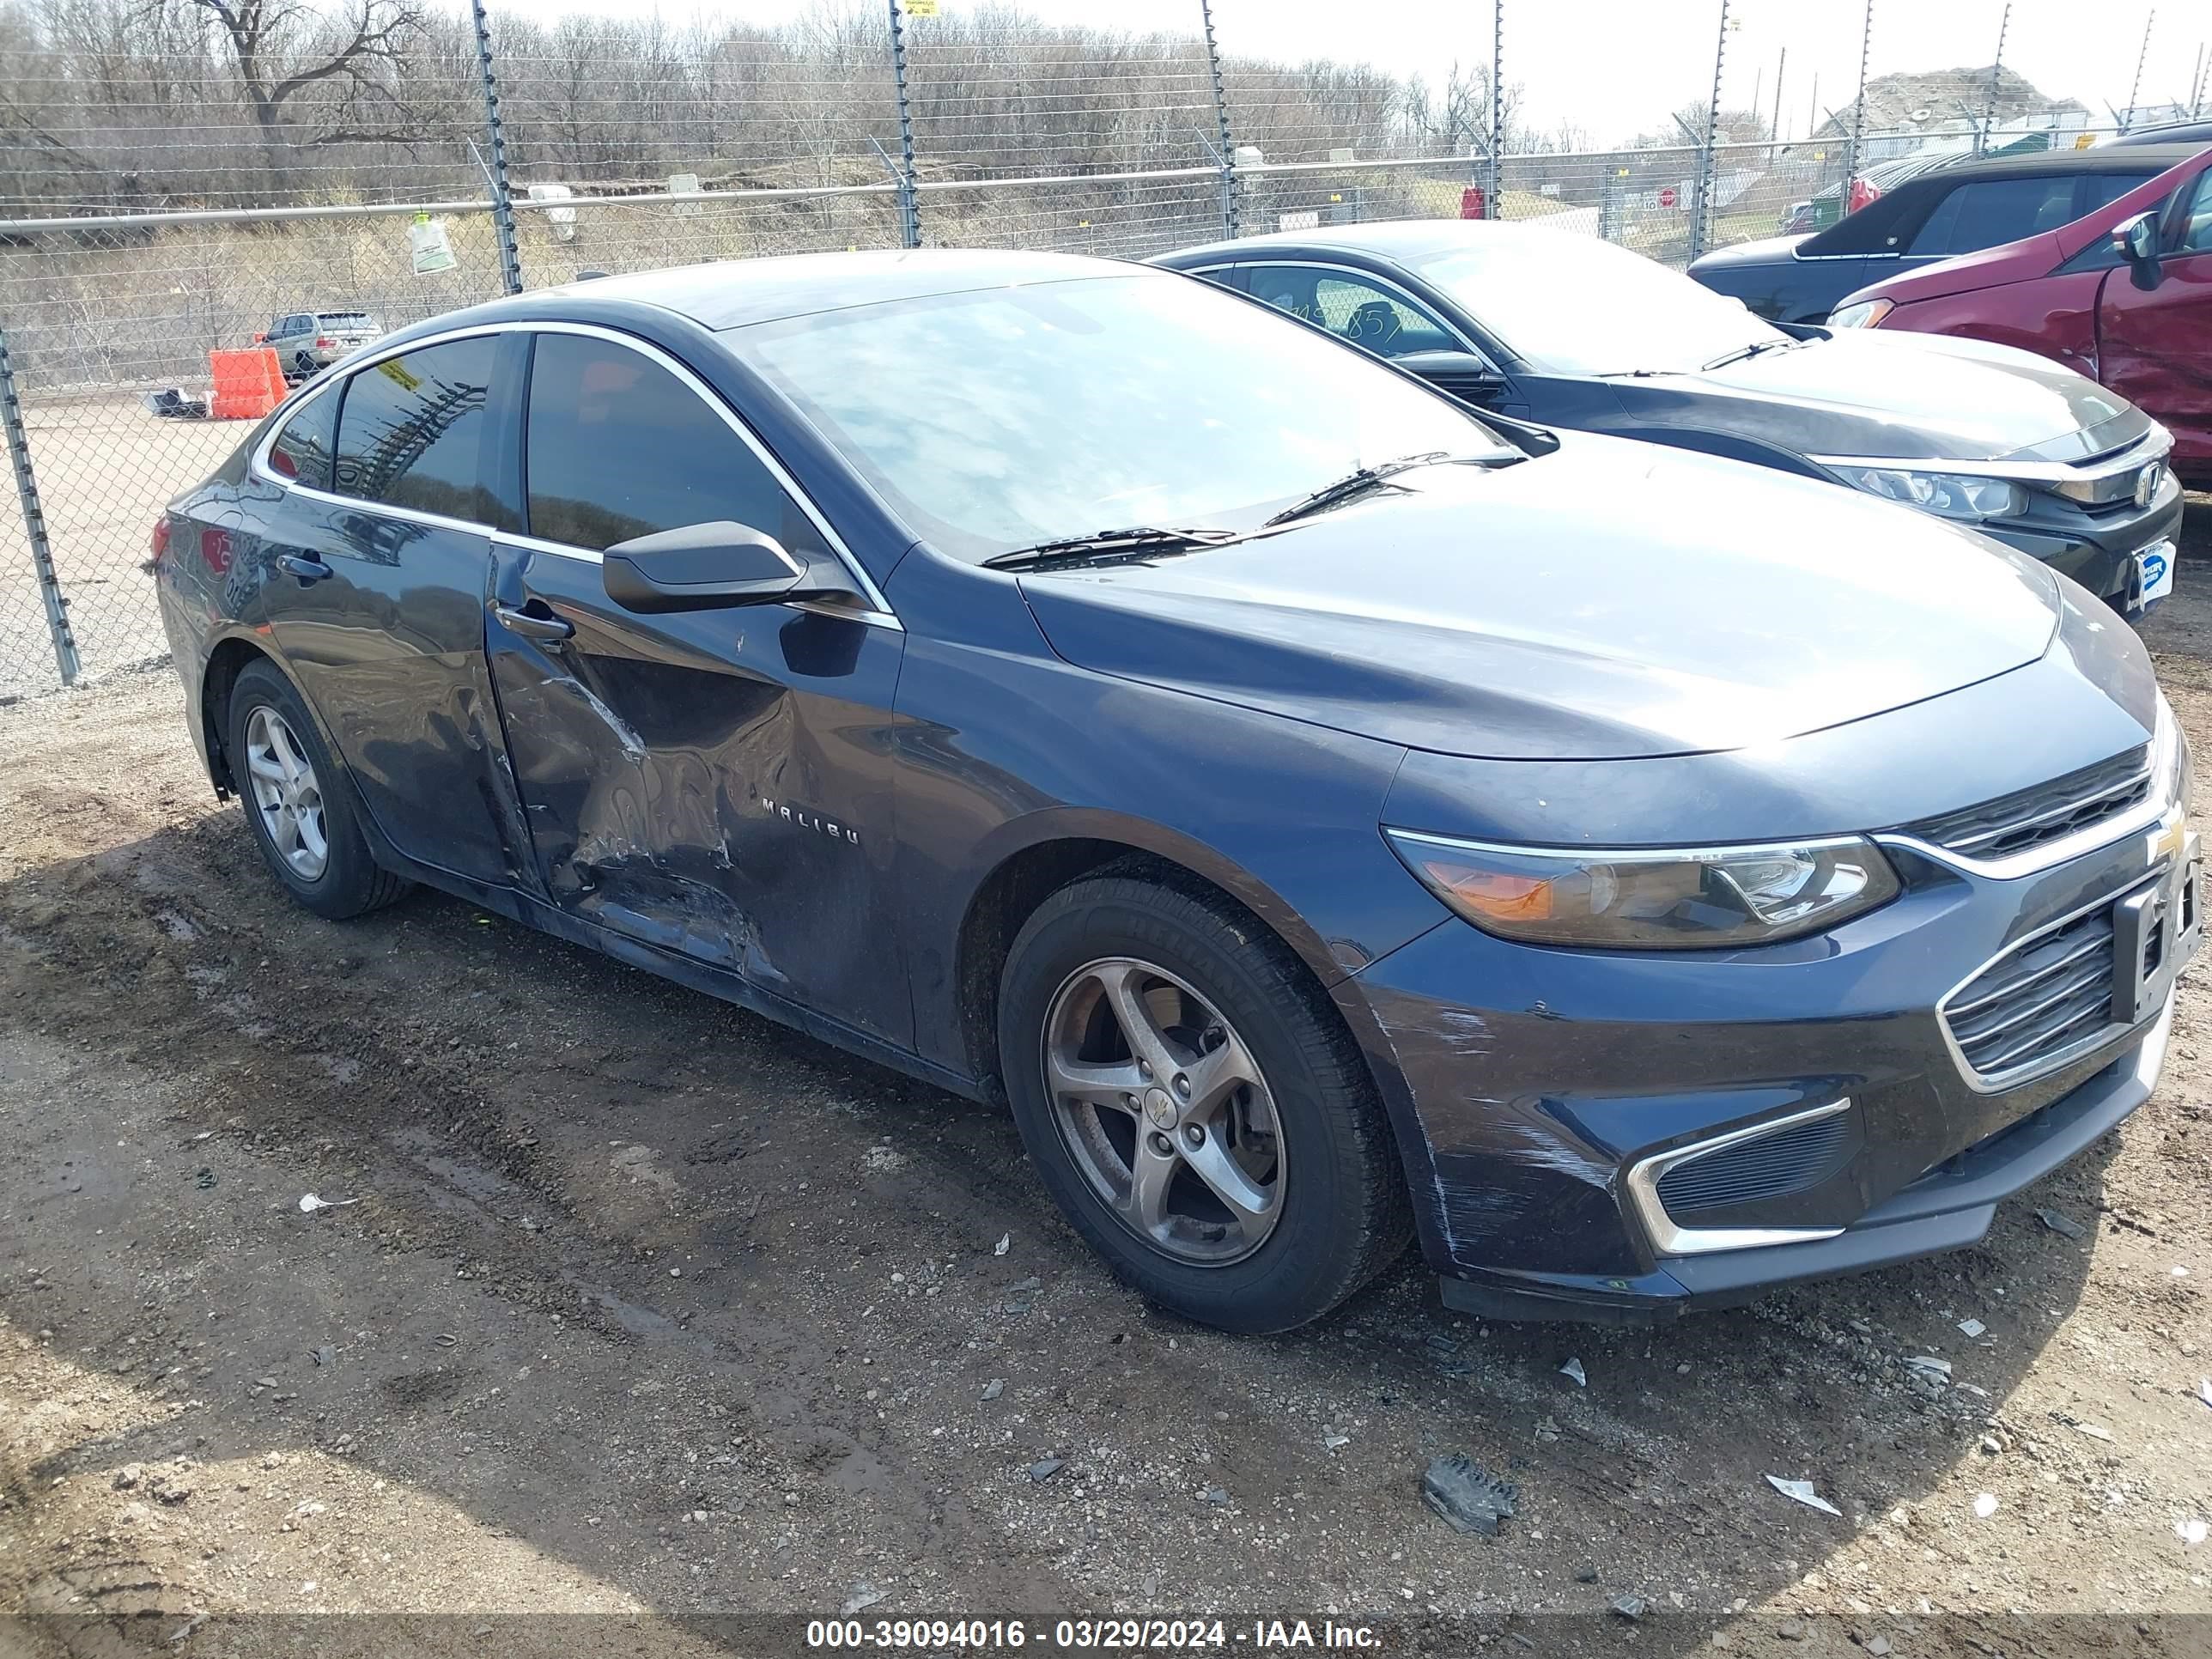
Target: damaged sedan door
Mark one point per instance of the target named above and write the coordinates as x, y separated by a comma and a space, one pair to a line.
696, 697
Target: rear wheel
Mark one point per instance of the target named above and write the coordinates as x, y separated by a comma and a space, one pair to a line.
295, 801
1195, 1105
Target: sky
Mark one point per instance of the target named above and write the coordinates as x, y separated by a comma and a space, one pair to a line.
1615, 68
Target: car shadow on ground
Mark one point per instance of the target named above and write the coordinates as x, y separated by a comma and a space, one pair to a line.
643, 1306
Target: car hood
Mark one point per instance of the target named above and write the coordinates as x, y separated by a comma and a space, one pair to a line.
1901, 395
1766, 251
1613, 599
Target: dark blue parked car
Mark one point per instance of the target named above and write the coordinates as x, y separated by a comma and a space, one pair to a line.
1575, 332
1322, 814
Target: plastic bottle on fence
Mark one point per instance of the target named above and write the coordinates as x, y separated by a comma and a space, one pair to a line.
433, 249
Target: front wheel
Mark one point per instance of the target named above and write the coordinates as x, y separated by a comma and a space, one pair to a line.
1195, 1105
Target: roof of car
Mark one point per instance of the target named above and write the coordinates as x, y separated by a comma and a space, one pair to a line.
736, 293
2101, 159
1391, 238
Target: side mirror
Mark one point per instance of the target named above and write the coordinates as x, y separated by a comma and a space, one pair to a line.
2135, 240
1459, 373
709, 567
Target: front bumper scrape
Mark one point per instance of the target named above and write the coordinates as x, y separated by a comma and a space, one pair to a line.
1951, 1207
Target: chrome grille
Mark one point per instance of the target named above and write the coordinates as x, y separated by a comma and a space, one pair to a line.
2050, 812
2038, 1004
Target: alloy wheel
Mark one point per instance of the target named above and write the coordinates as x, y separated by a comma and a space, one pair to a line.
286, 793
1164, 1111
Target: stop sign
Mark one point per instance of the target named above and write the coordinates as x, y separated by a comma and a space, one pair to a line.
1667, 196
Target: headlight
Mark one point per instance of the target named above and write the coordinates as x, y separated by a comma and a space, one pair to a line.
1947, 495
1636, 900
1862, 314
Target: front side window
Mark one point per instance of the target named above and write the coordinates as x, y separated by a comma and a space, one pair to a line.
1002, 419
303, 444
619, 448
412, 429
1352, 308
2196, 227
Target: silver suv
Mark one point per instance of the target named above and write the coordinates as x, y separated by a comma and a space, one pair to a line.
309, 340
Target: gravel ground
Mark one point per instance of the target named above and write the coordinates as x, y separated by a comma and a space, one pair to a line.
639, 1309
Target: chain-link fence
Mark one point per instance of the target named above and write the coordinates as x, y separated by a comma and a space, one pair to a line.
179, 177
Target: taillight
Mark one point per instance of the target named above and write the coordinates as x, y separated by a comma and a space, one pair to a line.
323, 342
161, 536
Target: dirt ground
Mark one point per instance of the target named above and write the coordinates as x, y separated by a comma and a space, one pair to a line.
637, 1311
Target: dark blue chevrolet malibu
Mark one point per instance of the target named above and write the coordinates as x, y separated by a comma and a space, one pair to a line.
1321, 812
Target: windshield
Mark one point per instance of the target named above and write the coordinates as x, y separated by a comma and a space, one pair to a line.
1573, 305
347, 319
1011, 416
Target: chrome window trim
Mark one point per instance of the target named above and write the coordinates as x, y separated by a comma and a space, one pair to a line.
878, 612
2154, 446
1642, 1186
1998, 1082
1354, 272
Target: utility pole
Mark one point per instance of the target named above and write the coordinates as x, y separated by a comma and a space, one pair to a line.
1780, 69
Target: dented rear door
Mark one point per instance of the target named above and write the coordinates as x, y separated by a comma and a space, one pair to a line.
711, 782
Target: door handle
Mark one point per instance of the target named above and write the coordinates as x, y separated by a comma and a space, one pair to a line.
540, 624
307, 568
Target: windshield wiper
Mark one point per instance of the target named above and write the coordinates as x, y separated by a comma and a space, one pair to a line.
1367, 479
1751, 350
1139, 539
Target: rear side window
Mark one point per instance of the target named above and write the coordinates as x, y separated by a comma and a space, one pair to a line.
618, 448
304, 444
1992, 211
2100, 188
412, 427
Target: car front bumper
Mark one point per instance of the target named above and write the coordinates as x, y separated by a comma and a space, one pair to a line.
1548, 1106
2098, 551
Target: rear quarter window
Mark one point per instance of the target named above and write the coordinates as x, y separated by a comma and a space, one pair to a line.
304, 445
412, 428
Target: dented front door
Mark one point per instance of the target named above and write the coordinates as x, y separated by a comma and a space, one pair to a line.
713, 783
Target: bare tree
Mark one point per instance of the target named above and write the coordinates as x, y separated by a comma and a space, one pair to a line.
345, 76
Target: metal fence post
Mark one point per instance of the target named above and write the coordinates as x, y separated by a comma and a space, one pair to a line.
1493, 206
34, 523
909, 209
1997, 71
502, 199
1701, 219
2135, 88
1858, 109
1221, 114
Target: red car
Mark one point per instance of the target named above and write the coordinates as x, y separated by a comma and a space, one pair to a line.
2123, 295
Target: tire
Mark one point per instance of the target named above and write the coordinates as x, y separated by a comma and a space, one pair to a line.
303, 366
271, 737
1302, 1143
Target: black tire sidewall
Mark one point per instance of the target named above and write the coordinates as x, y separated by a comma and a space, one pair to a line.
350, 879
1313, 1259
